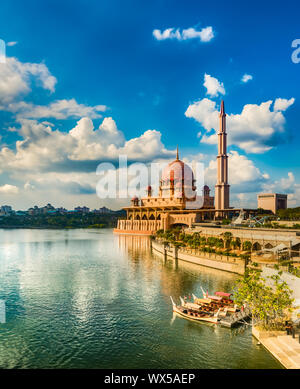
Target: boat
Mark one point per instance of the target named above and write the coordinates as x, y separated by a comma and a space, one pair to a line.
219, 299
195, 312
206, 310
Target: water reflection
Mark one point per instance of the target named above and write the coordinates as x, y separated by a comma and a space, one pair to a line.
174, 280
89, 299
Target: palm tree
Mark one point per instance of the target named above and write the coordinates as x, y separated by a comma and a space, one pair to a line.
228, 238
238, 242
247, 245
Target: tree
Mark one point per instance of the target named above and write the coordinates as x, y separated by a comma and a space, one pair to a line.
228, 238
220, 243
226, 222
238, 242
247, 245
268, 304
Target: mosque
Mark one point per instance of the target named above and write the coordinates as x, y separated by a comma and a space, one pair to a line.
177, 202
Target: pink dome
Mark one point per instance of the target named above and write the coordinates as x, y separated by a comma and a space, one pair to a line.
177, 171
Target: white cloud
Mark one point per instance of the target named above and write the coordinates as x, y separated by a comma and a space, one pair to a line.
243, 174
256, 129
59, 109
13, 43
204, 35
9, 189
246, 78
28, 186
81, 149
169, 33
283, 104
287, 185
213, 86
16, 78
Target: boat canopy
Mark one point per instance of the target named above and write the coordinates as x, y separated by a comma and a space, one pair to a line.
218, 298
191, 305
203, 301
223, 294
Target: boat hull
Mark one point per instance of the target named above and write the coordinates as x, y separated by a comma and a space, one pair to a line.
211, 319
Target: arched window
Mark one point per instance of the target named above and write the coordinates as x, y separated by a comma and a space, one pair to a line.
268, 246
256, 246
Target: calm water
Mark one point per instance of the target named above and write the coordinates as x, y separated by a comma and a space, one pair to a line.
89, 299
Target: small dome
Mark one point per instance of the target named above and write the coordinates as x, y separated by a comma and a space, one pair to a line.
134, 198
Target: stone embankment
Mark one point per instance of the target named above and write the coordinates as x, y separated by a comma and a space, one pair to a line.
283, 347
221, 262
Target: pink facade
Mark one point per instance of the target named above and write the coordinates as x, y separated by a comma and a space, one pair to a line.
272, 201
177, 190
222, 187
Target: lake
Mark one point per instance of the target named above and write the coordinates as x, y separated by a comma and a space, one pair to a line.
91, 299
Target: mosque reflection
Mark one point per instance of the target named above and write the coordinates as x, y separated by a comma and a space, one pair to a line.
177, 277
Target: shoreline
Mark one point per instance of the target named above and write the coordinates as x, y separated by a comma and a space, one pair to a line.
282, 347
51, 228
214, 261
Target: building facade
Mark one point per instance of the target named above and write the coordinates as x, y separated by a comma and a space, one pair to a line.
272, 201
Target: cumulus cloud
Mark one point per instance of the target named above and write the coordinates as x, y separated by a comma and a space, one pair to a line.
16, 81
287, 185
256, 129
16, 78
9, 189
244, 176
204, 35
44, 148
246, 78
59, 109
213, 86
283, 104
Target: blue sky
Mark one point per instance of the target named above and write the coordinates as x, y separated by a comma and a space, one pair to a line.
105, 53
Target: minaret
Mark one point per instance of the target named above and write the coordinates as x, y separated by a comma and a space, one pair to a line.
222, 187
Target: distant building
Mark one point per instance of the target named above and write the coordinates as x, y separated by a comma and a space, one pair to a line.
21, 213
48, 209
103, 210
6, 210
41, 211
82, 209
34, 210
61, 210
272, 201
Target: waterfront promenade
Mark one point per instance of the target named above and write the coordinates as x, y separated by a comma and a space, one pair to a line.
221, 262
284, 348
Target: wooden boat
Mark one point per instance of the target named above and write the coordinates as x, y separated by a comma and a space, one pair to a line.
204, 310
195, 312
220, 300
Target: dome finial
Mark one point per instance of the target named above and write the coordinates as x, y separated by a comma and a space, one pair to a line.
177, 154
